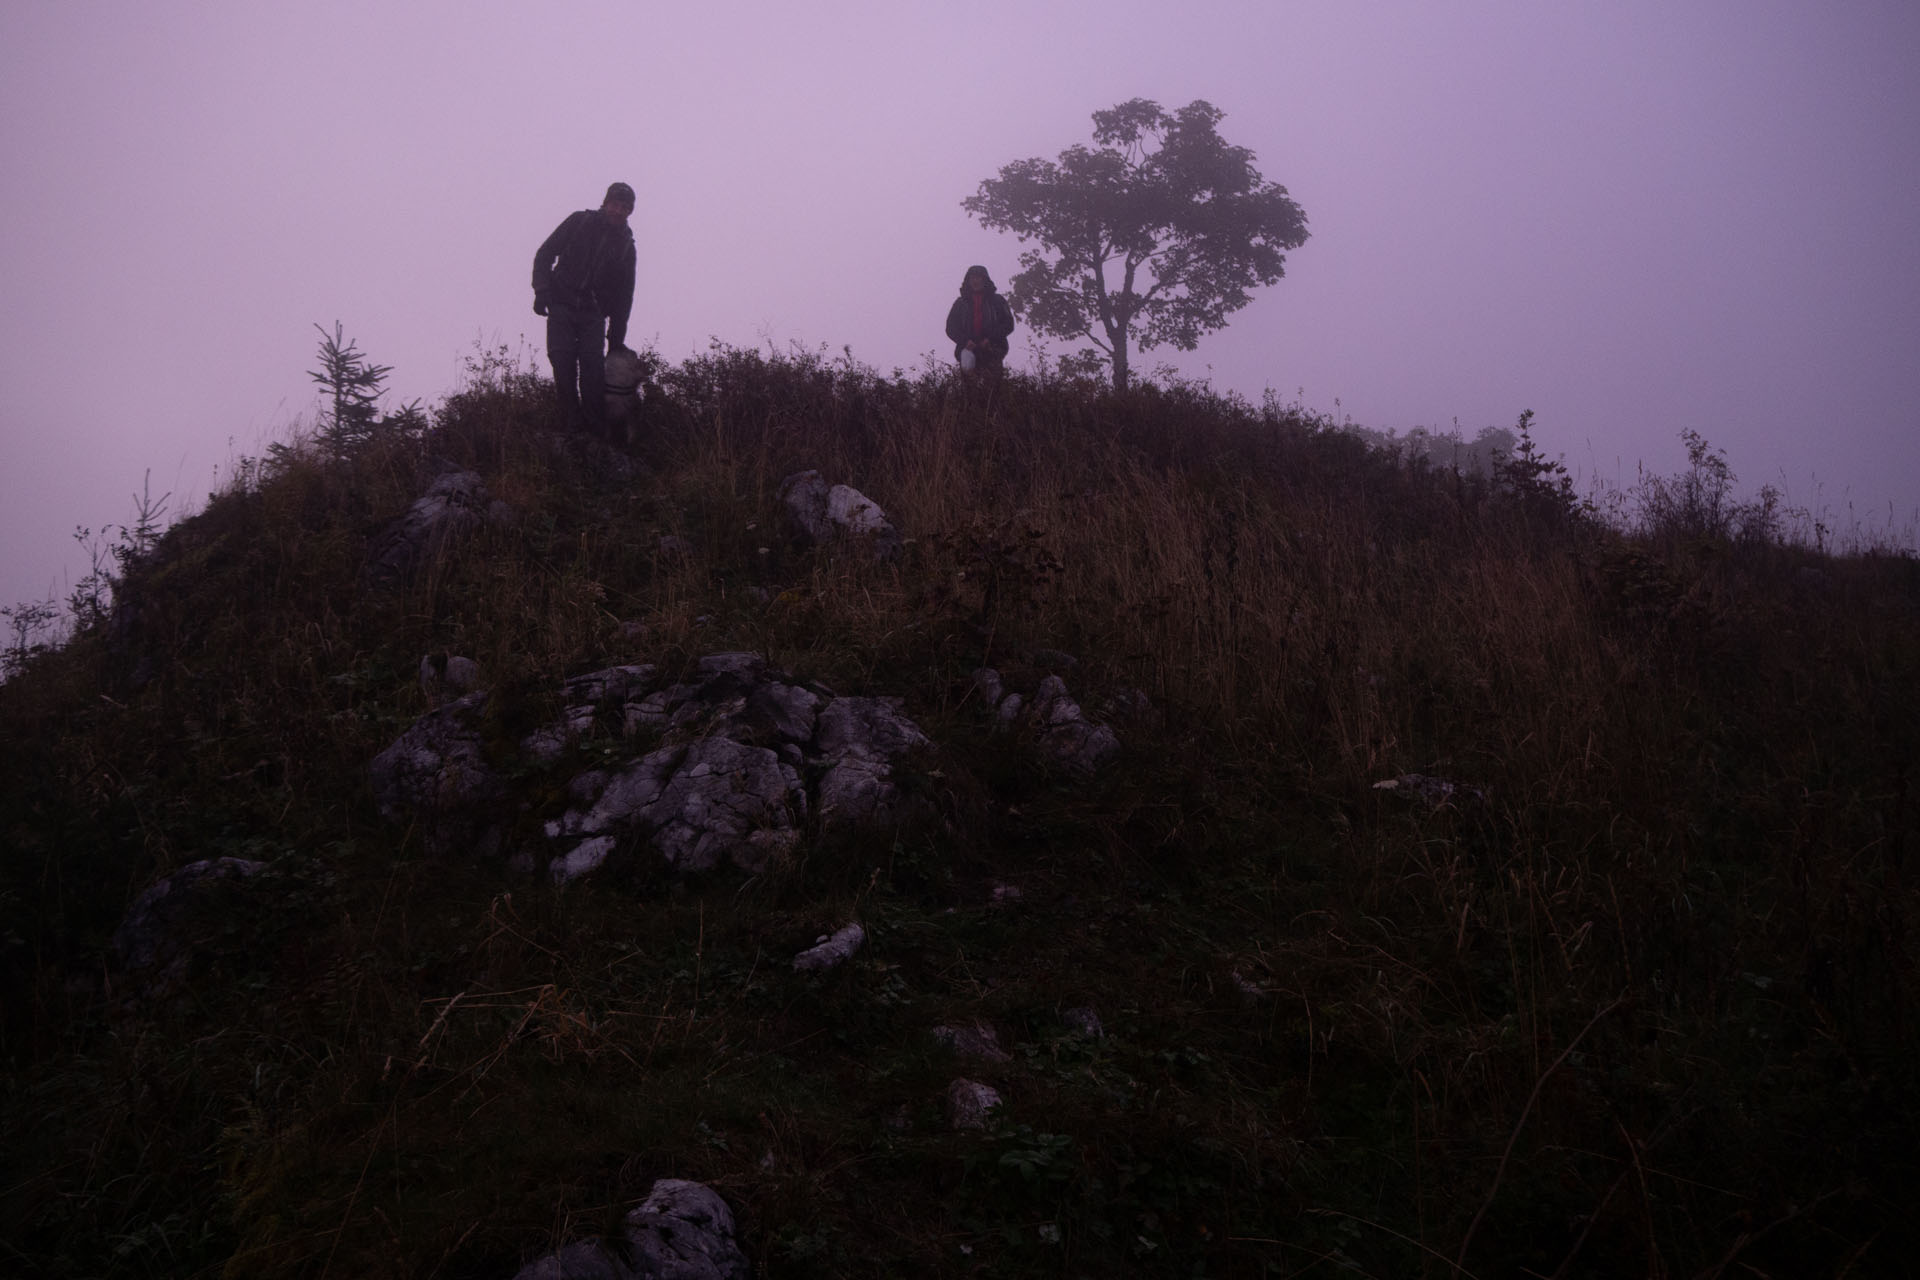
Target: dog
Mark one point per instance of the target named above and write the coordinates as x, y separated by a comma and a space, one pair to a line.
623, 374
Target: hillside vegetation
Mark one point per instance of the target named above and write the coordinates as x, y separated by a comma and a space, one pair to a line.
1626, 986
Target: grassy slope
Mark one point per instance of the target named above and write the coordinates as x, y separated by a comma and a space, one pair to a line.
1649, 1009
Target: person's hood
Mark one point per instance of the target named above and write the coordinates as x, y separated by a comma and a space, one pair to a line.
969, 271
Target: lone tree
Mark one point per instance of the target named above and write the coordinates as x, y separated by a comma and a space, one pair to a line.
1186, 222
355, 386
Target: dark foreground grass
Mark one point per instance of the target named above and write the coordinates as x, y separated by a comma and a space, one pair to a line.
1638, 1000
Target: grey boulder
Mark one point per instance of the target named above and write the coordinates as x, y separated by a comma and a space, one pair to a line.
825, 512
151, 936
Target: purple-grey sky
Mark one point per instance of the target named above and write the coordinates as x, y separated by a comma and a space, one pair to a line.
1630, 217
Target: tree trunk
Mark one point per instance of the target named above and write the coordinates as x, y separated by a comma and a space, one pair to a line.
1120, 371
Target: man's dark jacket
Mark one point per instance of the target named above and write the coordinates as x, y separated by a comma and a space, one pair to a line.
587, 265
996, 314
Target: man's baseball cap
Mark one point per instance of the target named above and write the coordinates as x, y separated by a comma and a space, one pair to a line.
622, 192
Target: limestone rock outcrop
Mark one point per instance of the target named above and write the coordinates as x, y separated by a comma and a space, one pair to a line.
726, 766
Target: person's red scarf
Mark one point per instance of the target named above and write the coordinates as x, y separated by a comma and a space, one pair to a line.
980, 313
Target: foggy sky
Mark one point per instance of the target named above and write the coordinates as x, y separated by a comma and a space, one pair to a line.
1630, 217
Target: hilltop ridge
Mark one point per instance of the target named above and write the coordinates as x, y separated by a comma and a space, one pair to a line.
1469, 884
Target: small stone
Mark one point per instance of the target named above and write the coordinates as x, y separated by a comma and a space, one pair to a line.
585, 857
976, 1040
1066, 734
790, 711
969, 1103
734, 662
443, 674
462, 674
1129, 705
829, 952
1431, 791
1083, 1021
682, 1229
876, 724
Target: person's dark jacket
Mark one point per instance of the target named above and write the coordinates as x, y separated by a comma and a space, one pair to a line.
587, 264
996, 317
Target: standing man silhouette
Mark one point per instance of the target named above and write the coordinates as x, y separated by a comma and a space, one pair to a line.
583, 285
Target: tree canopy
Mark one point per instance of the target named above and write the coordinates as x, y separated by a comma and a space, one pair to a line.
1186, 224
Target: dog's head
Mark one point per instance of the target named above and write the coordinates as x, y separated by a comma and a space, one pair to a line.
622, 372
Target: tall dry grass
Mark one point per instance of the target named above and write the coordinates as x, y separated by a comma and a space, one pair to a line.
1636, 997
